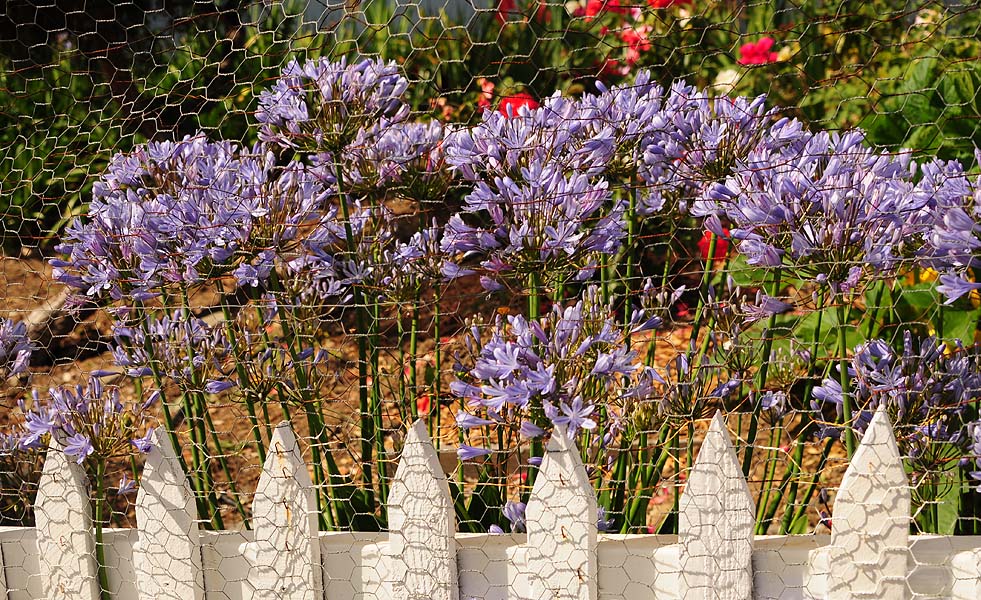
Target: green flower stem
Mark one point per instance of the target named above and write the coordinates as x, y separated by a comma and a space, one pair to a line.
228, 474
650, 478
413, 358
795, 465
798, 513
196, 420
367, 423
376, 405
243, 377
434, 412
534, 313
205, 512
199, 501
99, 519
846, 400
703, 288
665, 274
628, 273
754, 416
311, 407
762, 503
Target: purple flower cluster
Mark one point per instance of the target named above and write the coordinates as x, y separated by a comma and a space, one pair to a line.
548, 223
403, 160
182, 212
926, 388
166, 345
89, 422
829, 208
531, 376
15, 348
324, 105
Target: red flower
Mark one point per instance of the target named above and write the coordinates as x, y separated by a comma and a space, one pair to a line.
757, 53
515, 102
507, 9
668, 3
486, 92
504, 9
422, 404
637, 42
595, 7
721, 246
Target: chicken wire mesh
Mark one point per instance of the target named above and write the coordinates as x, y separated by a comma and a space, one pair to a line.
508, 220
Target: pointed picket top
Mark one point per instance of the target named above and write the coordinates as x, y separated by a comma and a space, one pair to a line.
65, 539
869, 539
284, 557
715, 523
168, 555
422, 523
561, 521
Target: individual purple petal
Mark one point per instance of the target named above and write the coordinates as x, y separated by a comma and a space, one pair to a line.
79, 447
465, 452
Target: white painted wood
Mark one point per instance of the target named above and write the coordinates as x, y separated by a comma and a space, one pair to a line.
715, 523
422, 524
561, 560
3, 575
869, 547
168, 554
965, 569
284, 556
65, 538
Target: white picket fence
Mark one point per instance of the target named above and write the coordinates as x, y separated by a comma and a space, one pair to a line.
868, 555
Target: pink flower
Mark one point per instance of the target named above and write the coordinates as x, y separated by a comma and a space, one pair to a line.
509, 106
757, 53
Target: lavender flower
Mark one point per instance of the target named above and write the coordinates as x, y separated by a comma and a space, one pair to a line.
830, 209
178, 346
181, 212
323, 105
926, 389
549, 223
515, 513
91, 422
15, 348
531, 376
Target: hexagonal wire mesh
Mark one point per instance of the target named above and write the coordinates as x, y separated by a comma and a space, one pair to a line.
497, 265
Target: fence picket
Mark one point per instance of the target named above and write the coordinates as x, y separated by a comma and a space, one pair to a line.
65, 539
284, 556
168, 555
715, 523
422, 524
965, 569
561, 553
869, 546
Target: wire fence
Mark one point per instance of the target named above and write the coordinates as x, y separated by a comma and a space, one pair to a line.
506, 221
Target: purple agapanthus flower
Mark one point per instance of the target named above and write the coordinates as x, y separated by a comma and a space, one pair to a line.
15, 348
90, 422
323, 105
926, 387
830, 209
531, 376
178, 213
548, 223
